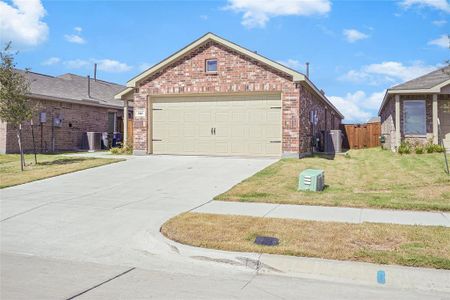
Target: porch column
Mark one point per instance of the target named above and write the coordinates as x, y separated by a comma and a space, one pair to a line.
397, 121
125, 122
435, 119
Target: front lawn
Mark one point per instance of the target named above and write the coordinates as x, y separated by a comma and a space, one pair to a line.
418, 246
48, 166
363, 178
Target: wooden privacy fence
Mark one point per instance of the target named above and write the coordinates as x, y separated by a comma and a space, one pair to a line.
359, 136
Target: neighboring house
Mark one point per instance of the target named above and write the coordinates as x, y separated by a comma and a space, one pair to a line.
67, 106
410, 111
214, 97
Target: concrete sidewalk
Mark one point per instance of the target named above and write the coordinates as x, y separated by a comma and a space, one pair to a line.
326, 213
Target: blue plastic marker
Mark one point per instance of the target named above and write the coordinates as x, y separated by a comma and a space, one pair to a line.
381, 277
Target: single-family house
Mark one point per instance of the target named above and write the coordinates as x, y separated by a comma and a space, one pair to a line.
214, 97
416, 110
66, 107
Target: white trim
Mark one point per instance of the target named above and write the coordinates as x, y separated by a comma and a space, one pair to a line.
122, 95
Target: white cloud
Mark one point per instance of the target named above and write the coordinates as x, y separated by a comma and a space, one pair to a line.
78, 63
358, 107
353, 35
76, 37
51, 61
73, 38
258, 12
443, 5
106, 65
387, 72
443, 41
439, 22
204, 17
113, 66
291, 63
21, 22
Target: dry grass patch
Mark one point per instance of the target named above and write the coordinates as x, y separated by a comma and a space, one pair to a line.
417, 246
364, 178
48, 166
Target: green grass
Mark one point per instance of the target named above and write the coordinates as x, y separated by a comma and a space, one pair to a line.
415, 246
363, 178
49, 165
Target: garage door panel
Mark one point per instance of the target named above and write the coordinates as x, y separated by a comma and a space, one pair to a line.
244, 125
189, 132
189, 117
257, 148
273, 148
159, 115
204, 116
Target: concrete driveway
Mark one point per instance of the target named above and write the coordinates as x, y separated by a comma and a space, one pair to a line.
94, 234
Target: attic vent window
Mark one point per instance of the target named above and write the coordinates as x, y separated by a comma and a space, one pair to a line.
211, 66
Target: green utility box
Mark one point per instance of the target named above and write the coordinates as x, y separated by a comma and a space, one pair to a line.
311, 180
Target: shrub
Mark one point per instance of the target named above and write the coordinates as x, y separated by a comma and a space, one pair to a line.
122, 150
438, 148
419, 150
429, 147
405, 148
115, 150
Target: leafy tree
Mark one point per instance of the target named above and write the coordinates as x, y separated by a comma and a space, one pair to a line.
15, 105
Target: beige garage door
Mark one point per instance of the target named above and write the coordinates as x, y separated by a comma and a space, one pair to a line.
221, 125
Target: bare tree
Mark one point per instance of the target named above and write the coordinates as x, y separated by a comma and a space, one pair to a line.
15, 105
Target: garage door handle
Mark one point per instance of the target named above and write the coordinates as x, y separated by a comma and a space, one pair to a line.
214, 131
275, 142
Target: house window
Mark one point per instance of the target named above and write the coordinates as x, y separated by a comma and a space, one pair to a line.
414, 116
211, 66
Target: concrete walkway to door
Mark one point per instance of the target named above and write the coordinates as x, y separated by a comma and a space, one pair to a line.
326, 213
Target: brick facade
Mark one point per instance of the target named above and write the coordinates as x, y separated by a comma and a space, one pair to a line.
387, 115
236, 73
77, 119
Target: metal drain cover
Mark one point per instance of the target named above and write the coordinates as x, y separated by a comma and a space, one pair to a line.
266, 241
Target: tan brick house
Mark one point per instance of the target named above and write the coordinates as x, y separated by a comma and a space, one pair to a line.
67, 106
412, 110
214, 97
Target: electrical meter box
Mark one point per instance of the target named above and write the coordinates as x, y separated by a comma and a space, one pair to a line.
311, 180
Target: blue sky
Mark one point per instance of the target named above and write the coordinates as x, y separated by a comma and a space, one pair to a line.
356, 49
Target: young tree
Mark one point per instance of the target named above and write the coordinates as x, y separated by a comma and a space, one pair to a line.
15, 106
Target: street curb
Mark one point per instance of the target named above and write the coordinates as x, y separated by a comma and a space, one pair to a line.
323, 269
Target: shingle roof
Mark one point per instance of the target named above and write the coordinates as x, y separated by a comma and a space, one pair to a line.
426, 81
74, 87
